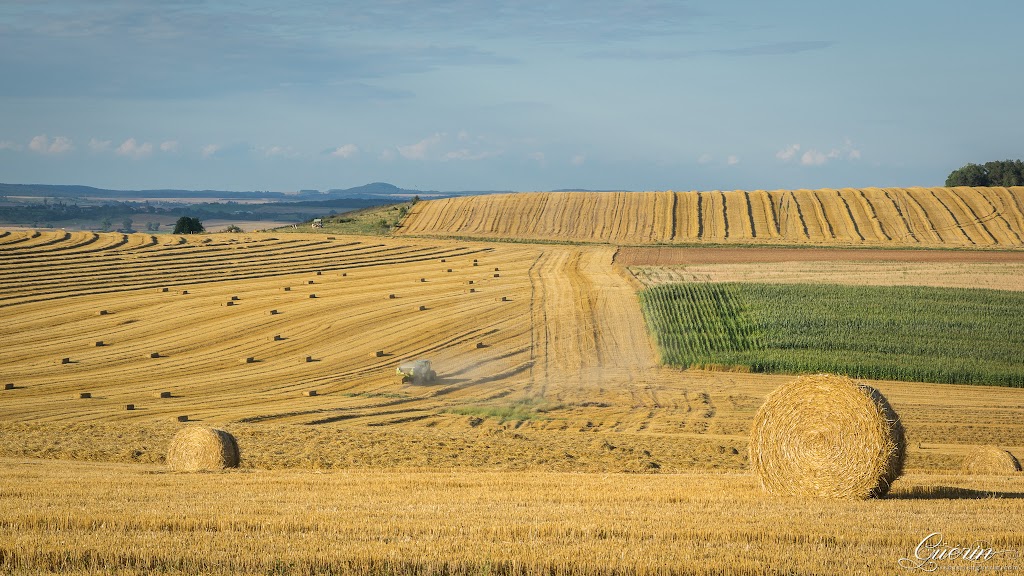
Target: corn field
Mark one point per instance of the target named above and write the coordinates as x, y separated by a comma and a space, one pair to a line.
957, 336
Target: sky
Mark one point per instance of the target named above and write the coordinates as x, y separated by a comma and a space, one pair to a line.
473, 95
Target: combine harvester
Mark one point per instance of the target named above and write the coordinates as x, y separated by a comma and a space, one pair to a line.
417, 372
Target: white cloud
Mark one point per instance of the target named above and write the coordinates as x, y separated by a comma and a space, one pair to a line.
169, 146
99, 145
538, 156
732, 160
705, 159
787, 153
578, 160
465, 154
8, 145
463, 136
345, 151
133, 149
283, 151
418, 151
815, 157
43, 145
387, 154
210, 150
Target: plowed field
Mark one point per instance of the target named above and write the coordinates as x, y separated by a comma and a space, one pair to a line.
964, 217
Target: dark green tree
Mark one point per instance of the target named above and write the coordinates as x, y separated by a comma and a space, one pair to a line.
998, 173
187, 225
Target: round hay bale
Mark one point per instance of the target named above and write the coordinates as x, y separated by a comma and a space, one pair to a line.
991, 460
198, 448
829, 437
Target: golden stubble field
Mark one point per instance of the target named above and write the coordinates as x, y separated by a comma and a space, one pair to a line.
558, 446
891, 217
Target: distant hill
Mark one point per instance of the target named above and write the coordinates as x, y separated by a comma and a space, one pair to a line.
77, 191
885, 217
372, 191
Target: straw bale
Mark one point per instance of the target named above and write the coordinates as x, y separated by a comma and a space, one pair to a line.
827, 436
198, 448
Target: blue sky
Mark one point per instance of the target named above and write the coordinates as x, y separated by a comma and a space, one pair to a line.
472, 95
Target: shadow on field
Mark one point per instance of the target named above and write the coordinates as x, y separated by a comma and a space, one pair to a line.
951, 493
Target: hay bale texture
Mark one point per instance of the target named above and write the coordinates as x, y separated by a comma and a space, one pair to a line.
198, 448
991, 460
829, 437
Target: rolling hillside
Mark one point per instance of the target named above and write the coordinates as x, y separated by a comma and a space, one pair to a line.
960, 217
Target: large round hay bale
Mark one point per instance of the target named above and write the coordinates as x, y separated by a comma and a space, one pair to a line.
198, 448
827, 436
991, 460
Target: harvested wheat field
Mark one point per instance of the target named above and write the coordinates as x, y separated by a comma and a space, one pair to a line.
918, 217
552, 441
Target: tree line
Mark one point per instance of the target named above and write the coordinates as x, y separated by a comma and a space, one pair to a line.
998, 173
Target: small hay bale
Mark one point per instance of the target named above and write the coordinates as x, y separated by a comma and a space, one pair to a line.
65, 360
443, 260
379, 354
449, 270
309, 358
182, 418
423, 279
310, 393
249, 360
235, 298
481, 345
474, 263
9, 386
496, 270
991, 460
154, 355
391, 296
312, 295
471, 282
309, 281
198, 448
229, 303
504, 299
471, 290
165, 289
827, 436
99, 343
344, 274
422, 308
184, 292
104, 312
163, 394
129, 406
318, 273
497, 275
84, 395
278, 337
273, 312
474, 260
287, 288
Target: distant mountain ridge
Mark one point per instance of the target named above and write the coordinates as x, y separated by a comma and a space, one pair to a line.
373, 190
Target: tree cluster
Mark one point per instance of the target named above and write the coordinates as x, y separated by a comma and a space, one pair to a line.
188, 225
999, 173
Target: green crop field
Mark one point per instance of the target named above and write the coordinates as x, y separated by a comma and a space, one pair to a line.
909, 333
